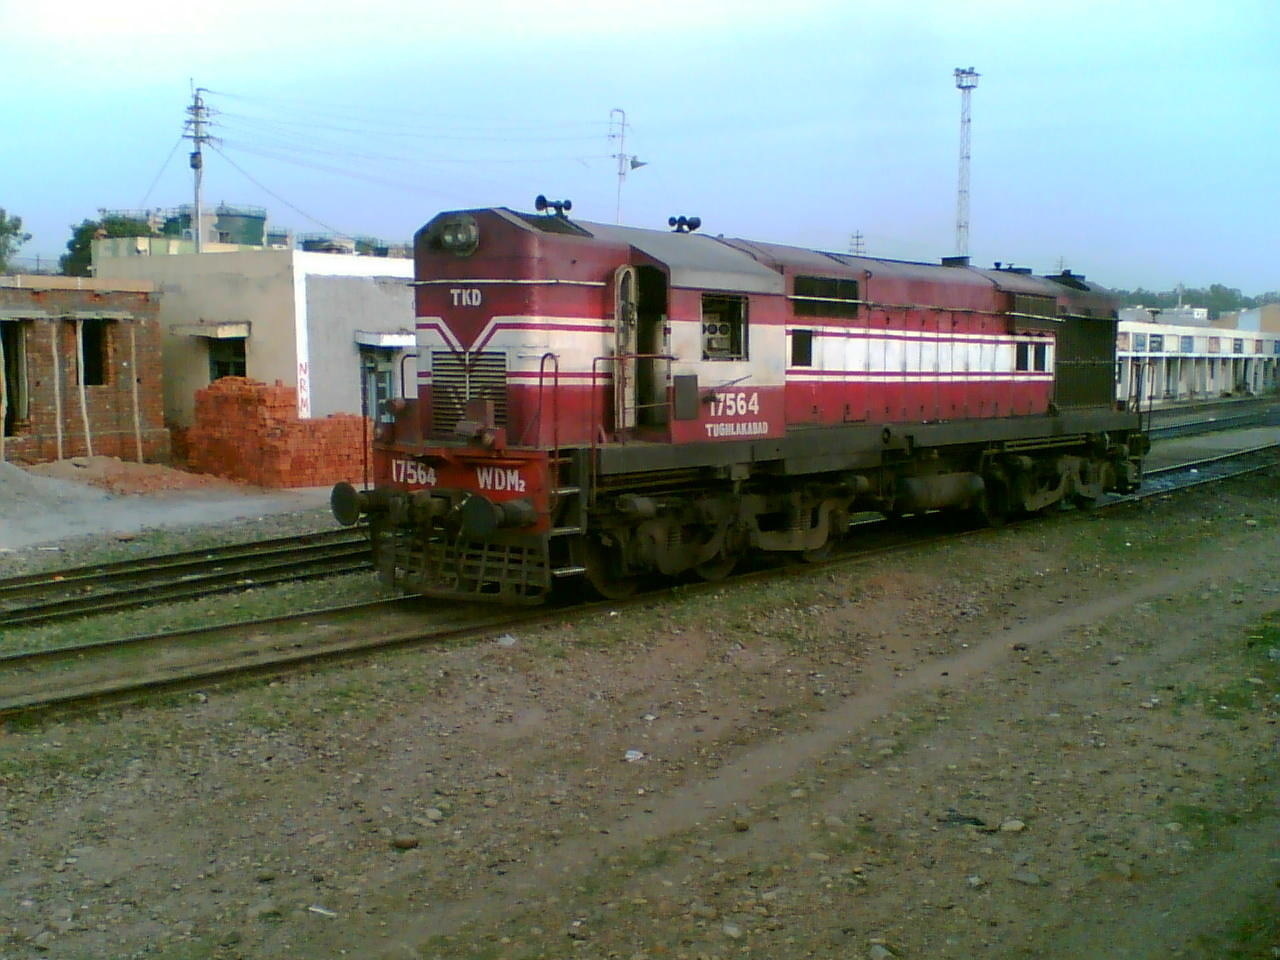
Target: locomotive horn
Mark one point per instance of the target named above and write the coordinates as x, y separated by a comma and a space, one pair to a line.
541, 204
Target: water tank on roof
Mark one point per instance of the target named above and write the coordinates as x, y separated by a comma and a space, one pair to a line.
246, 226
316, 244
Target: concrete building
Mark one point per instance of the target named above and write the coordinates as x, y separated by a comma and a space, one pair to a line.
337, 327
80, 369
1263, 319
1162, 362
1179, 315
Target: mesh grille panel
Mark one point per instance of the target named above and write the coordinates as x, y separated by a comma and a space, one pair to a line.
459, 377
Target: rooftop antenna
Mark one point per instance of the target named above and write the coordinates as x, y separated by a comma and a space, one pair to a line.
199, 118
856, 245
626, 162
966, 80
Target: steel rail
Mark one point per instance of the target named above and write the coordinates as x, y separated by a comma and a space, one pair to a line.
165, 562
237, 654
249, 657
55, 596
1210, 425
1206, 461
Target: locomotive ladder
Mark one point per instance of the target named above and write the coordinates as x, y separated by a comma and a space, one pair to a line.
569, 508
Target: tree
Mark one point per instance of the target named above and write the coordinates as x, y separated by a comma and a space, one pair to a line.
75, 262
11, 238
1217, 297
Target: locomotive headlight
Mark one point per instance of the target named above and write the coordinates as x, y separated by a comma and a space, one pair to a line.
459, 235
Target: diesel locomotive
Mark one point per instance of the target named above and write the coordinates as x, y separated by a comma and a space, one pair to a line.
618, 404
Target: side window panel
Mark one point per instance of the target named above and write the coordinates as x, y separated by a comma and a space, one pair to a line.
802, 348
724, 327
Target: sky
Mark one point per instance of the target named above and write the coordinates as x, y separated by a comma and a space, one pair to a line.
1137, 143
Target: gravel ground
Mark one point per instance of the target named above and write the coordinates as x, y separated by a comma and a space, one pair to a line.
1051, 740
44, 506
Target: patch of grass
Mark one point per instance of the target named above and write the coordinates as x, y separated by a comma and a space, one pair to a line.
38, 757
224, 608
1250, 935
1229, 701
1206, 819
154, 541
1258, 689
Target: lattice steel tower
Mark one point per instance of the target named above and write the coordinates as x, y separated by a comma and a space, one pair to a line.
966, 80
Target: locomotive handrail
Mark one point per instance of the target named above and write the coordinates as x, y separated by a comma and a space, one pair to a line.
596, 426
554, 467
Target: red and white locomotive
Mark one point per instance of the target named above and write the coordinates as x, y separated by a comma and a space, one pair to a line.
615, 403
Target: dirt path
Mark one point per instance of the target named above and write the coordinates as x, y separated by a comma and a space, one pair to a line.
1056, 740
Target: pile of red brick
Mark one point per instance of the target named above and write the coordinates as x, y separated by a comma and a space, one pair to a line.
248, 431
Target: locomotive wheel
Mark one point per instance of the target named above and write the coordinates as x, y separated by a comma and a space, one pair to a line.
717, 568
992, 506
603, 576
837, 527
817, 554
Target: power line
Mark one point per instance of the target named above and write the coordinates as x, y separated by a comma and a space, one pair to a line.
414, 133
352, 174
159, 173
244, 173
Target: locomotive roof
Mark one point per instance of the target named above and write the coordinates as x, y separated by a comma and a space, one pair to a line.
695, 259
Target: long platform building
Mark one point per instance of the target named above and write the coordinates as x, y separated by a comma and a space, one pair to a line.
1180, 354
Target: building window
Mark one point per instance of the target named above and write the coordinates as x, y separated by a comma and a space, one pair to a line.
825, 297
802, 348
93, 351
724, 327
1237, 346
1156, 343
1139, 342
13, 340
226, 358
1186, 344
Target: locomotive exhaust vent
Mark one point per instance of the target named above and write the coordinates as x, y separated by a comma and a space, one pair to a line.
459, 377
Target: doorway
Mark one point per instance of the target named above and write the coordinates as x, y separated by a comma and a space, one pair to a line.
377, 382
13, 342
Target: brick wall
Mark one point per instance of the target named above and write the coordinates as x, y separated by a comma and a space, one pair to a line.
33, 438
248, 431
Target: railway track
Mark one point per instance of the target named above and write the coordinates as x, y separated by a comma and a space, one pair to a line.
101, 588
91, 675
100, 673
1166, 425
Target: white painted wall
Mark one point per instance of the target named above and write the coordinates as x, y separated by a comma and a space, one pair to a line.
267, 289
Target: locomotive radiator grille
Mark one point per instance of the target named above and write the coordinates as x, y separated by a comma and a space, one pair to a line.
459, 377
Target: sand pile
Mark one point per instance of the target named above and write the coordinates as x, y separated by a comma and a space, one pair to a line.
40, 509
34, 508
125, 476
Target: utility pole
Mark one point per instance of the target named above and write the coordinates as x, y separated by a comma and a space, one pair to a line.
618, 131
199, 119
966, 80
